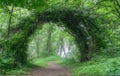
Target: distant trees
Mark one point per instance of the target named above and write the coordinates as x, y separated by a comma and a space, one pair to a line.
38, 46
61, 45
48, 41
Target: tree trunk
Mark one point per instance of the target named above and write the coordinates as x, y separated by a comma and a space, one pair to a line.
84, 48
37, 47
84, 52
10, 19
49, 50
62, 46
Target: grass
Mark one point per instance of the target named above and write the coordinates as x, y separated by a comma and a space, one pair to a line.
99, 66
96, 67
42, 62
18, 71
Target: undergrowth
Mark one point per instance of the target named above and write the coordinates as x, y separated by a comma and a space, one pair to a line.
37, 62
99, 66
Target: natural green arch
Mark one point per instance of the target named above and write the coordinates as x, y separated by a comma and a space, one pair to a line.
84, 28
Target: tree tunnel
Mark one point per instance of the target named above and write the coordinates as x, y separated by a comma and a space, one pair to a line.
82, 27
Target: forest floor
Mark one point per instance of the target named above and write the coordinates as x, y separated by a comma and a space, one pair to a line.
52, 69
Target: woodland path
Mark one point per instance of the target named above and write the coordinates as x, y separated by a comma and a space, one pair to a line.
53, 69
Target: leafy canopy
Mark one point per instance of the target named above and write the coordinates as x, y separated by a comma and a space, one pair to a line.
29, 4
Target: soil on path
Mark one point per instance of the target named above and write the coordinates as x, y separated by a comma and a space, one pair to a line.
52, 70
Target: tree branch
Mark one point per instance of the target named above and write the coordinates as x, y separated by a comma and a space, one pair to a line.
95, 5
10, 19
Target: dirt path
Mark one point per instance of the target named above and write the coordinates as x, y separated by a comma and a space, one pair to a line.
52, 70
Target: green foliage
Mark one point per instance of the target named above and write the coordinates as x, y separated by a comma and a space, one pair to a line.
76, 19
41, 37
29, 4
94, 24
15, 47
42, 62
100, 66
